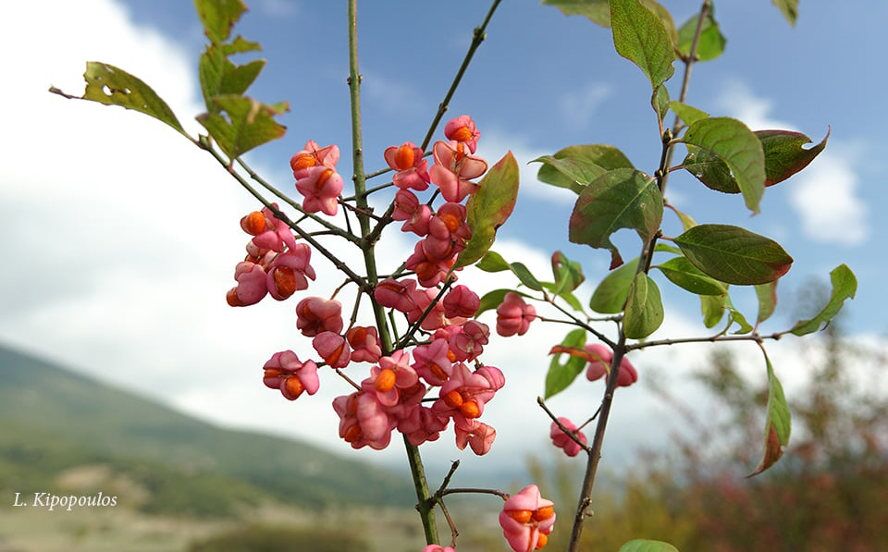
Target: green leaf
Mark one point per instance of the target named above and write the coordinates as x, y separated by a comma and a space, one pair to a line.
644, 308
785, 154
736, 317
687, 113
561, 375
219, 16
568, 274
642, 545
844, 286
493, 262
778, 424
240, 45
568, 297
219, 76
641, 37
737, 147
687, 221
660, 101
525, 276
611, 294
622, 198
574, 167
665, 248
682, 273
734, 255
713, 309
248, 123
489, 208
767, 301
711, 43
493, 299
598, 11
110, 85
789, 9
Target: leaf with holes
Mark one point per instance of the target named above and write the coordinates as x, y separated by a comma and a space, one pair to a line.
246, 124
738, 148
785, 155
489, 208
110, 85
574, 167
561, 375
644, 308
844, 286
641, 37
622, 198
778, 424
734, 255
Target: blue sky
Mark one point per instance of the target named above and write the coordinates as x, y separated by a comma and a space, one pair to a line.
113, 288
543, 81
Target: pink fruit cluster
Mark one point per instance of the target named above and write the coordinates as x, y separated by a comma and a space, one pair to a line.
393, 397
275, 264
443, 363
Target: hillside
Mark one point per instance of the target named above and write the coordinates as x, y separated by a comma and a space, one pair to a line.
55, 422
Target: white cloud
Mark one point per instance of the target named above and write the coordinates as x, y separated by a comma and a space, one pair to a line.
280, 8
579, 106
827, 200
740, 101
389, 93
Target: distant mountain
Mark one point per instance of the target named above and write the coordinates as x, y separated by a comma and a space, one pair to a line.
53, 421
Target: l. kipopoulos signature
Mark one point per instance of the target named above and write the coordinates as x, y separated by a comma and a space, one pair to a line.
51, 502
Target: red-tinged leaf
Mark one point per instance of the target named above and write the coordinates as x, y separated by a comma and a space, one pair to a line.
489, 208
621, 198
785, 154
575, 352
734, 255
778, 424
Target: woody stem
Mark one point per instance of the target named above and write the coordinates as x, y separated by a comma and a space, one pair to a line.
426, 514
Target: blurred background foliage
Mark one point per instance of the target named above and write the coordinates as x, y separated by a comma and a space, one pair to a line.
827, 494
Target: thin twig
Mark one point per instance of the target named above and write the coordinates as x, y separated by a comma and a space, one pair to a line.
570, 433
416, 325
707, 339
294, 204
476, 490
284, 218
478, 36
